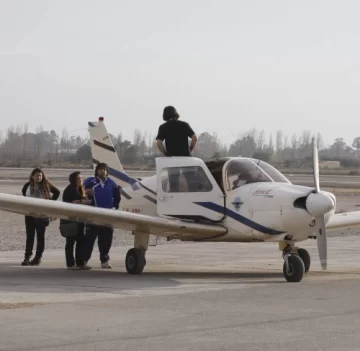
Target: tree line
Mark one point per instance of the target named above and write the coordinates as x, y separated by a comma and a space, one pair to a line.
21, 148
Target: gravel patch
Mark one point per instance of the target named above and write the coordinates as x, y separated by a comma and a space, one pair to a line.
13, 235
12, 306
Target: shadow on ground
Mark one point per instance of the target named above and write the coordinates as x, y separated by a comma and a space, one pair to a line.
48, 279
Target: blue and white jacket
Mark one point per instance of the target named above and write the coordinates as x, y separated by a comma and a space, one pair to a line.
106, 194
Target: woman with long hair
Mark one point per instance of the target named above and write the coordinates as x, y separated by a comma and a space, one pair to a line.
39, 187
74, 231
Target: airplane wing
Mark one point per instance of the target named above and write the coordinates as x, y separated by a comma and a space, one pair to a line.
108, 217
344, 220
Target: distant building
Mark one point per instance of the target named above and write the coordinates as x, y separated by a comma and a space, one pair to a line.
329, 164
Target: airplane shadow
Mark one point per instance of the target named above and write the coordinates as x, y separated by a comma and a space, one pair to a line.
44, 279
236, 277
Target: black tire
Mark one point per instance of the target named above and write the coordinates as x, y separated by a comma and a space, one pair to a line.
135, 261
296, 269
305, 256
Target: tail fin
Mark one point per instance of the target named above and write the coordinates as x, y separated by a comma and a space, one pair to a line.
102, 149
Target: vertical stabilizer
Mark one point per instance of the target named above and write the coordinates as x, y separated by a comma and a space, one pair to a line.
102, 150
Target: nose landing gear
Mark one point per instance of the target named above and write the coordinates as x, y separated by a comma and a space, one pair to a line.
297, 262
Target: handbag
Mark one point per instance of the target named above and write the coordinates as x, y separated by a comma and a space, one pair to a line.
42, 221
69, 229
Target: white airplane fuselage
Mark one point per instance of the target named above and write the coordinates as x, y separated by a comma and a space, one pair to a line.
265, 212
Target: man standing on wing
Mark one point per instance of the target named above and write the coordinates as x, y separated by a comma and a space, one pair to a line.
105, 194
176, 135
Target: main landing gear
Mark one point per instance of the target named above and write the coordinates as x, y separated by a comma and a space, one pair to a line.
135, 258
296, 263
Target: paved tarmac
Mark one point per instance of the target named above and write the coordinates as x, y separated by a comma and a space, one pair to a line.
190, 297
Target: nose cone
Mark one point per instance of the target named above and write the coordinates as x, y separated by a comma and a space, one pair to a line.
332, 197
318, 204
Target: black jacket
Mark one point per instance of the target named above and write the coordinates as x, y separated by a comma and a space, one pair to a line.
55, 191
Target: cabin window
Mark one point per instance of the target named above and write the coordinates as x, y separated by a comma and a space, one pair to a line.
185, 180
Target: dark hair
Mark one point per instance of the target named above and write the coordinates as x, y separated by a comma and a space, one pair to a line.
169, 113
101, 165
73, 179
44, 184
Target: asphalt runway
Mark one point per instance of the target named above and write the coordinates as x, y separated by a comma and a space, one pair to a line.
190, 297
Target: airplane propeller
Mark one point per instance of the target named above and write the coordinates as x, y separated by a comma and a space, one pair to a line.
318, 204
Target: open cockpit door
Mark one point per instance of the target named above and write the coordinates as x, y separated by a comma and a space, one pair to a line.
186, 189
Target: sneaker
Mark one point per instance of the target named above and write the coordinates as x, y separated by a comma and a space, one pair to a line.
26, 262
85, 267
73, 268
106, 265
35, 262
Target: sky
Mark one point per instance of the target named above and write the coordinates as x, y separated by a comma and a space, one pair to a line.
228, 66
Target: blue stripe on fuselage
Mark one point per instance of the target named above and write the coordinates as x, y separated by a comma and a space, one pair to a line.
132, 181
122, 176
147, 197
239, 218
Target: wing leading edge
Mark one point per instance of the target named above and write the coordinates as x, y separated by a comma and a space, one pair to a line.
114, 218
344, 220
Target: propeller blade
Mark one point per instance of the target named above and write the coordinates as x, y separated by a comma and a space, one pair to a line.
320, 220
316, 165
321, 241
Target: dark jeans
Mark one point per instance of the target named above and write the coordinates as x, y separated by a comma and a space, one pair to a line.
77, 242
104, 236
35, 226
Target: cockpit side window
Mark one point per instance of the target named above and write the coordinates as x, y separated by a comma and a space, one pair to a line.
242, 171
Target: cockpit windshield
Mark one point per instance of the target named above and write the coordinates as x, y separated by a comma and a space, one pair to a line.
275, 175
245, 171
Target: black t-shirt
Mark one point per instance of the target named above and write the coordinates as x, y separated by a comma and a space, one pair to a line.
71, 194
176, 134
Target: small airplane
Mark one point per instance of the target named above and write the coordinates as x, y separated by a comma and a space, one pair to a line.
230, 199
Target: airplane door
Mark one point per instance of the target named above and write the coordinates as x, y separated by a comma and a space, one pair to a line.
186, 189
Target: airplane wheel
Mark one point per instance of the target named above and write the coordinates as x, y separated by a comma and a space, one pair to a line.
135, 261
295, 270
305, 256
